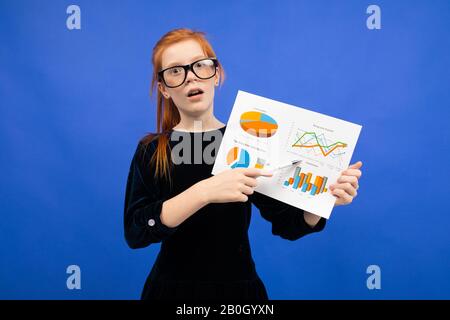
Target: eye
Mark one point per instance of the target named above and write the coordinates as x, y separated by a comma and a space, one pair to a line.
175, 71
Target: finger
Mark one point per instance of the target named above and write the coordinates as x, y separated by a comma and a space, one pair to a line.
347, 187
242, 198
350, 179
352, 172
246, 190
250, 181
255, 172
356, 165
342, 195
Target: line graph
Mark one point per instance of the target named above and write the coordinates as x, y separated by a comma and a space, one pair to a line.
318, 146
311, 140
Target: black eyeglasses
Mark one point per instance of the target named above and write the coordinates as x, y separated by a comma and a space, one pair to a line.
175, 76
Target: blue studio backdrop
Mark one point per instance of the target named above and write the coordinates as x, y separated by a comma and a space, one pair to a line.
75, 102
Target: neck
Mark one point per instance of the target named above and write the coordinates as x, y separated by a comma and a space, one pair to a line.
203, 122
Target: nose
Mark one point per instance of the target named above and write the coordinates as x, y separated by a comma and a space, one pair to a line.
190, 76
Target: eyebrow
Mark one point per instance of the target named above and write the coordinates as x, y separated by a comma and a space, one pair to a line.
179, 64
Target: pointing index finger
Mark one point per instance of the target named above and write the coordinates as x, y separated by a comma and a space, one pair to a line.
255, 172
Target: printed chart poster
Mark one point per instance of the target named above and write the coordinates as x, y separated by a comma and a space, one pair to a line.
264, 133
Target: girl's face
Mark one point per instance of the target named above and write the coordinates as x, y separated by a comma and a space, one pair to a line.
180, 54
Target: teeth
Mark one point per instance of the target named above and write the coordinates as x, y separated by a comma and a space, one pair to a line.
194, 92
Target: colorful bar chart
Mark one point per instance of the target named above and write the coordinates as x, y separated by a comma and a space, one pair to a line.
260, 163
302, 181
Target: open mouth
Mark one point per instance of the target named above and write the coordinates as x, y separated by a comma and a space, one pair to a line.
195, 92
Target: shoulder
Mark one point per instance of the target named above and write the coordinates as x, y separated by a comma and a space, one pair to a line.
146, 147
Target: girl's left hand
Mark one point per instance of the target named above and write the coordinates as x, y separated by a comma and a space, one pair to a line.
347, 184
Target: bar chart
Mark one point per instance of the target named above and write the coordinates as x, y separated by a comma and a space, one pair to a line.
302, 182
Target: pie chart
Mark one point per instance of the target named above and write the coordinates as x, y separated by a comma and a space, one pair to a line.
238, 158
258, 124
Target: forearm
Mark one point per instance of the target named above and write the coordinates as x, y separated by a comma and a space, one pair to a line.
311, 219
177, 209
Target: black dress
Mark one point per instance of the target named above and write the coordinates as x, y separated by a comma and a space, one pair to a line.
208, 256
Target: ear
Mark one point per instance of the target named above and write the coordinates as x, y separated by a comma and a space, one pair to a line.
217, 78
163, 90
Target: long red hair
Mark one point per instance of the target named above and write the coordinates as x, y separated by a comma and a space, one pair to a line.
167, 113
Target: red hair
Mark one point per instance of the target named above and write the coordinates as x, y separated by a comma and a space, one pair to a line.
167, 113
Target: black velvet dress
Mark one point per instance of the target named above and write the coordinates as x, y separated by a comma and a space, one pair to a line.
208, 256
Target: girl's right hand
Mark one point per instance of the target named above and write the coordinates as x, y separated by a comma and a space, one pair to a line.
232, 185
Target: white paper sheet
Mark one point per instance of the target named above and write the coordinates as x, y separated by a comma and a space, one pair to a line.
265, 133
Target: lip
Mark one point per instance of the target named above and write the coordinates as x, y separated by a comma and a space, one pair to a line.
193, 89
197, 97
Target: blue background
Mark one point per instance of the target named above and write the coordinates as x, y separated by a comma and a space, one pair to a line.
74, 104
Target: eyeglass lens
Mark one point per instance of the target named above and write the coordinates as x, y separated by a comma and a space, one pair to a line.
203, 69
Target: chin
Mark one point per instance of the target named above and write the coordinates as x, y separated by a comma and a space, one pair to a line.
198, 109
197, 106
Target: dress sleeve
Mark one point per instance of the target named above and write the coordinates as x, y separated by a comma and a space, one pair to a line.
143, 205
287, 221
